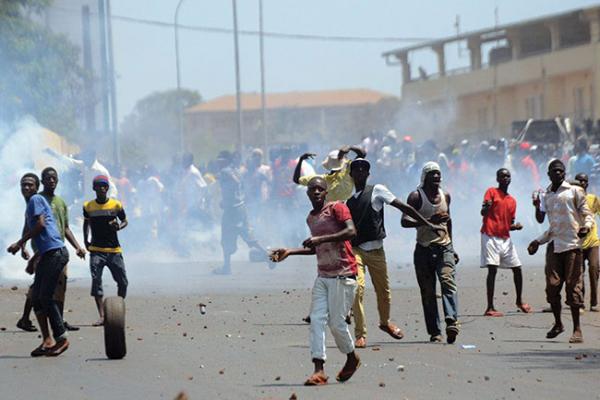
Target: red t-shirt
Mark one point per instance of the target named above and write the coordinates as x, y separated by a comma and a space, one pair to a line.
333, 258
500, 215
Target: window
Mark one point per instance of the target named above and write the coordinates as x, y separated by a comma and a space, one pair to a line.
578, 104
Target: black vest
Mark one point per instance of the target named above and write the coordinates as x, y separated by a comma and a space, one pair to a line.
368, 222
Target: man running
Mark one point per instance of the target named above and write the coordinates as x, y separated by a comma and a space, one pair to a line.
497, 249
53, 257
234, 221
570, 220
434, 253
61, 216
104, 217
331, 229
590, 244
366, 207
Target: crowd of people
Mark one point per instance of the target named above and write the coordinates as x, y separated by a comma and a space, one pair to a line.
345, 226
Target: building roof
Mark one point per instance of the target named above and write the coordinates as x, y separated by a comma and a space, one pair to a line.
312, 99
492, 33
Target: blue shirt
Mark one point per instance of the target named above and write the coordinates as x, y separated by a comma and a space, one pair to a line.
49, 238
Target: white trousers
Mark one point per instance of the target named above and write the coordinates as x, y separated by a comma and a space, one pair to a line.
332, 299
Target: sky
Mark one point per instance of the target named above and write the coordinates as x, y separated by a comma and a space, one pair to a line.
145, 55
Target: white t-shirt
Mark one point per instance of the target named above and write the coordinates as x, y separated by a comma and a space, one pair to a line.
381, 195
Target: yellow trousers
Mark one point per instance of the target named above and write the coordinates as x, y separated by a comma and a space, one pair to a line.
375, 261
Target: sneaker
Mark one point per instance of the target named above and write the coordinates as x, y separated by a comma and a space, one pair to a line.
595, 309
26, 325
60, 347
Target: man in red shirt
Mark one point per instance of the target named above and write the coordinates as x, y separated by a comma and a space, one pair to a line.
497, 249
331, 229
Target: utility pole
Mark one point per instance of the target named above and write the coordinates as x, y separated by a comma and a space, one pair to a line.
238, 94
177, 68
262, 80
113, 92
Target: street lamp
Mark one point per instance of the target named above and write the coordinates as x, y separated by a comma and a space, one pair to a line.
180, 106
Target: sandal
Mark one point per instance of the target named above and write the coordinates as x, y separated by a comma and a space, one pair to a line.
347, 372
451, 333
27, 326
317, 379
576, 338
392, 330
554, 332
100, 322
493, 313
524, 307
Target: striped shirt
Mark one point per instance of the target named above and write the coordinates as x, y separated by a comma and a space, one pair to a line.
99, 216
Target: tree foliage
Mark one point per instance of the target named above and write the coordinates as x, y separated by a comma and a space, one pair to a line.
150, 133
39, 70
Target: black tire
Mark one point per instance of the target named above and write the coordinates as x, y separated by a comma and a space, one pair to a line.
114, 328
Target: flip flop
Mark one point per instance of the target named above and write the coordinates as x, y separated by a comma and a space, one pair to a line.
554, 332
576, 339
524, 307
392, 330
316, 380
59, 348
346, 373
493, 313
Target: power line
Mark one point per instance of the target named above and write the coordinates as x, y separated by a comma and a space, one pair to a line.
275, 35
269, 34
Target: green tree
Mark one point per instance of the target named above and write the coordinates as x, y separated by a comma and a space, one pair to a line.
39, 70
150, 133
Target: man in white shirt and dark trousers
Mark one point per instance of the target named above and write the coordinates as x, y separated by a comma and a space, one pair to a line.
366, 207
570, 221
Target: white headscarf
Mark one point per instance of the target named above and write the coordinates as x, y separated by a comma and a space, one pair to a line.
427, 168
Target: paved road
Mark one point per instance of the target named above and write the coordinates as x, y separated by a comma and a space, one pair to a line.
252, 344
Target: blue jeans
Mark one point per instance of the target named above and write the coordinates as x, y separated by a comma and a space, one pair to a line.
431, 262
47, 273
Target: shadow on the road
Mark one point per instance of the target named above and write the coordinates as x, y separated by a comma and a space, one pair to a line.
531, 341
570, 359
99, 359
285, 324
9, 357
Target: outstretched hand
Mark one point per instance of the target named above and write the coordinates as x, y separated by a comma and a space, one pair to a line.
278, 255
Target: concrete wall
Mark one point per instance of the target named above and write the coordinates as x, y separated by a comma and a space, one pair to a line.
487, 101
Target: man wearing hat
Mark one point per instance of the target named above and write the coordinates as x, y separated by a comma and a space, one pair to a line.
104, 217
434, 254
338, 178
366, 208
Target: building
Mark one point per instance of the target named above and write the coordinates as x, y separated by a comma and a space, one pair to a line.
540, 68
335, 116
